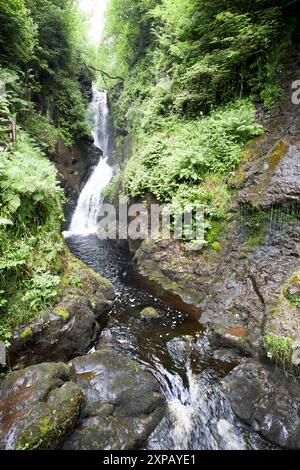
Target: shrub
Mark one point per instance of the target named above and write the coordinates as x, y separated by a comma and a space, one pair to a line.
185, 162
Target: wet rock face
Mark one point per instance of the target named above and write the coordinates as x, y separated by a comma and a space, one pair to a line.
122, 403
239, 287
179, 349
236, 288
75, 166
38, 407
70, 328
274, 178
101, 401
267, 401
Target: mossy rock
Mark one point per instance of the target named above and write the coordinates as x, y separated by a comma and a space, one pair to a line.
149, 313
39, 406
62, 313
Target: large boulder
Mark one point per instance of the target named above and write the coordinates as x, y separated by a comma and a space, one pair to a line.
38, 407
267, 400
123, 403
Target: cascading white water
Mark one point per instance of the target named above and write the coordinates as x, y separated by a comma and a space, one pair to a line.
200, 417
85, 218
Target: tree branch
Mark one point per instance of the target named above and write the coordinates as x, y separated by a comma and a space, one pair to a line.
105, 73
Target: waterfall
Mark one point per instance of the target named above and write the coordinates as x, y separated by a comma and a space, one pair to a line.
85, 218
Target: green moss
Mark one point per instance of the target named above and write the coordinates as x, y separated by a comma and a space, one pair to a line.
213, 234
278, 152
290, 285
254, 240
254, 223
216, 246
75, 280
149, 313
56, 420
62, 313
26, 333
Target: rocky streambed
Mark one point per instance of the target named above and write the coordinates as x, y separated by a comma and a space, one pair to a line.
167, 350
123, 364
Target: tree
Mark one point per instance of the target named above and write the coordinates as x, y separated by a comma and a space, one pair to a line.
18, 33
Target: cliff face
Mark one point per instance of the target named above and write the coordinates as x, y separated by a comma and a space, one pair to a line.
74, 165
250, 284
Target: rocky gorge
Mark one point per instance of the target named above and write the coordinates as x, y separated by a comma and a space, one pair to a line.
154, 346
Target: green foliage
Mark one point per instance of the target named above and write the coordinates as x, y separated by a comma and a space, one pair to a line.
42, 290
193, 55
295, 300
42, 64
188, 68
112, 189
71, 111
18, 33
280, 350
184, 162
41, 48
30, 240
75, 281
42, 131
253, 221
126, 35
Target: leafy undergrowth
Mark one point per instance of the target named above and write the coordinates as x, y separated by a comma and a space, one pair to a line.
30, 240
185, 77
187, 162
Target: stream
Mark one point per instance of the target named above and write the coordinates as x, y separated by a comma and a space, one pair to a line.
173, 347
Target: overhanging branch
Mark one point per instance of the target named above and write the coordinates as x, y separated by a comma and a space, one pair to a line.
105, 73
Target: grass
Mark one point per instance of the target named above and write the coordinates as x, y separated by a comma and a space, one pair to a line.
280, 350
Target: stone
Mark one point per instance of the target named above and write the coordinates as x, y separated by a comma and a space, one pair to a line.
274, 178
268, 401
180, 349
38, 407
149, 313
123, 403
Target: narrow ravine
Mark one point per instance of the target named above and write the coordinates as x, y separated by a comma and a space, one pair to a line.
171, 347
